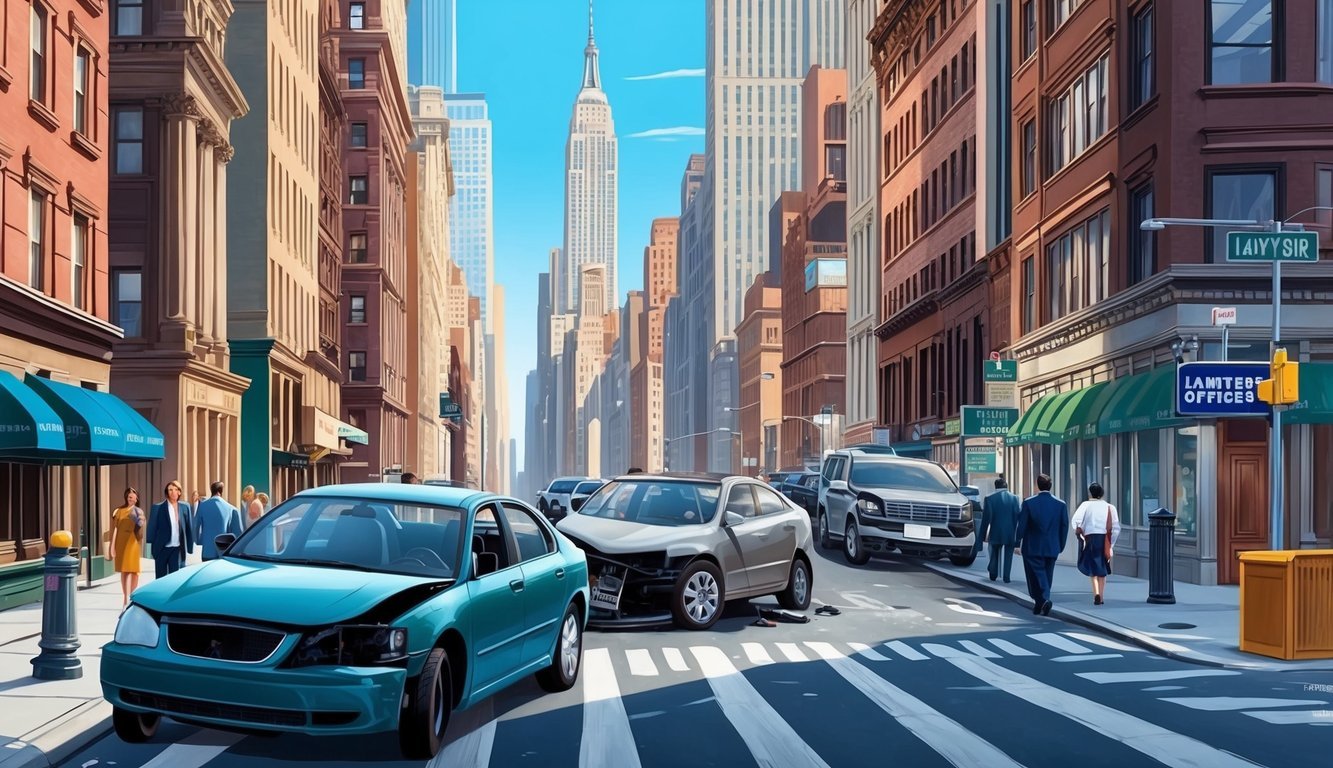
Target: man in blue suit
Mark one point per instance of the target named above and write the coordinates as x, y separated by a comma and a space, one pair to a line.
1043, 526
213, 518
999, 519
170, 531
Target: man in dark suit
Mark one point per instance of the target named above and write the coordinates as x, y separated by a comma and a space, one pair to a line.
1043, 527
213, 518
999, 519
170, 531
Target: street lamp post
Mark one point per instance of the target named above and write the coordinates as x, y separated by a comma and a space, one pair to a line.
819, 427
666, 441
733, 409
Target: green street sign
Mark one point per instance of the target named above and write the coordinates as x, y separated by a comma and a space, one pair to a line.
952, 427
979, 460
449, 409
980, 421
999, 371
1272, 246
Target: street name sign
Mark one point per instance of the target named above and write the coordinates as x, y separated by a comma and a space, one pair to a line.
1220, 389
999, 371
449, 409
1224, 316
1272, 246
981, 421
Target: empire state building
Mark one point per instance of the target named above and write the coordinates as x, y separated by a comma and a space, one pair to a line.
590, 188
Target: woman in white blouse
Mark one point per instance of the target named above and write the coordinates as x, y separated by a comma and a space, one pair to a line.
1098, 527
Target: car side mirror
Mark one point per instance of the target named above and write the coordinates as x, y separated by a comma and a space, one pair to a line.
223, 542
485, 563
577, 504
733, 518
837, 485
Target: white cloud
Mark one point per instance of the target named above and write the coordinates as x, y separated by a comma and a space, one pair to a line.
669, 75
668, 134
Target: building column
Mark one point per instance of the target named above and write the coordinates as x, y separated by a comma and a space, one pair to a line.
180, 117
221, 156
206, 264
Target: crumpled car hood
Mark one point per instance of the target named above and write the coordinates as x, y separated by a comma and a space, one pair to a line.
623, 536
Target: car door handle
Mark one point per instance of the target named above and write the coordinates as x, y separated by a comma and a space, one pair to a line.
516, 585
789, 527
560, 573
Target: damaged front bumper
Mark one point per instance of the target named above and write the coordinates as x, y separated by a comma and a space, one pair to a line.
629, 590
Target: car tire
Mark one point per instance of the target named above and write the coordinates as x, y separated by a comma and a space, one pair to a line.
825, 542
542, 507
567, 660
851, 546
963, 561
699, 596
134, 727
800, 586
422, 723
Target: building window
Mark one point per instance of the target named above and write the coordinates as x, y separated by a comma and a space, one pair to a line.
1242, 43
1239, 194
129, 140
82, 67
835, 121
79, 261
356, 73
1078, 116
358, 138
356, 366
36, 238
1324, 66
1061, 10
356, 248
356, 16
1142, 244
358, 191
835, 158
127, 300
129, 17
1078, 266
1029, 294
358, 314
1323, 194
1029, 42
39, 34
1144, 84
1029, 179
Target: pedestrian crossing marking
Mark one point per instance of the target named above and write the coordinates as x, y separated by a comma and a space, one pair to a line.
757, 653
194, 751
941, 651
941, 733
770, 738
979, 650
1301, 717
866, 652
1010, 648
1089, 657
1164, 746
604, 715
906, 651
675, 660
1103, 642
1234, 703
1058, 642
473, 748
1102, 678
641, 663
792, 652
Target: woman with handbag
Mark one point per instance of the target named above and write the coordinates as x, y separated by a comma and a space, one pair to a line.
127, 534
1097, 526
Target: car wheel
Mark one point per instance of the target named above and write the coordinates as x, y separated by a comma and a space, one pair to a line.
963, 561
824, 540
422, 722
851, 546
800, 584
564, 669
134, 727
696, 602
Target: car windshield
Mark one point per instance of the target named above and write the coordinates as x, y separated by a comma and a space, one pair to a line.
655, 502
901, 475
587, 488
358, 534
562, 486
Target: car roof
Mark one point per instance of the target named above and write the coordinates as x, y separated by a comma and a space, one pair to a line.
707, 477
413, 493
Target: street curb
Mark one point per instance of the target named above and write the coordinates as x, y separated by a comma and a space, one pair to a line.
57, 740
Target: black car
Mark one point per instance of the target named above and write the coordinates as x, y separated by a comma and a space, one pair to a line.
802, 488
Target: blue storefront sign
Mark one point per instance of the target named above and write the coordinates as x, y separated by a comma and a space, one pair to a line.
1220, 389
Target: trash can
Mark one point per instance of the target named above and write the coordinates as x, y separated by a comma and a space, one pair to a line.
1284, 599
1161, 557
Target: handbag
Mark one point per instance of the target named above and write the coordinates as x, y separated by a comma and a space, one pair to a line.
1106, 543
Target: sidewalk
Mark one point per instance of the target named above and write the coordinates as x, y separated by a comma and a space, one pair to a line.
1203, 626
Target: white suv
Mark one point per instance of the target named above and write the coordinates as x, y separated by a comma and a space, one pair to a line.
554, 501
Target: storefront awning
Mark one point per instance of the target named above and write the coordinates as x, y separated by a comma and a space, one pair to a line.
27, 424
353, 435
99, 425
1045, 429
1024, 430
1067, 418
290, 459
1316, 389
1154, 406
920, 449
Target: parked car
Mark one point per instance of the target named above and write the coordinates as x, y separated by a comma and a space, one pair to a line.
673, 548
875, 502
557, 494
354, 609
802, 488
581, 493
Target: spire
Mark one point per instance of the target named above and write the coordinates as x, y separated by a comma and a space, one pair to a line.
592, 78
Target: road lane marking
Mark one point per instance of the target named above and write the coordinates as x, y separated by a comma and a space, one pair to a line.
675, 660
1303, 717
195, 751
473, 748
1103, 642
1233, 703
1010, 648
866, 652
641, 662
771, 739
1164, 746
966, 606
1089, 657
757, 653
946, 736
1055, 641
906, 651
1103, 678
861, 601
792, 652
979, 650
607, 739
943, 651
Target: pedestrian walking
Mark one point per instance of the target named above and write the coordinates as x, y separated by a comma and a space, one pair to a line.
253, 509
1098, 527
127, 533
213, 518
170, 531
999, 521
1043, 526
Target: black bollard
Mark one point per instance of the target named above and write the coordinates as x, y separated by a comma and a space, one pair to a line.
1161, 557
59, 658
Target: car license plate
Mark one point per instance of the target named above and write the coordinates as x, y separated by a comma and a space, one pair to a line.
606, 592
921, 532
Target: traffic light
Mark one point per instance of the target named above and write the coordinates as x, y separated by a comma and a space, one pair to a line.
1284, 387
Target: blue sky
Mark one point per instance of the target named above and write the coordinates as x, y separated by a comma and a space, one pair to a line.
527, 57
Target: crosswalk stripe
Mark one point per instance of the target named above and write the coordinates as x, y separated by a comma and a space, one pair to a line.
1164, 746
1010, 648
1089, 657
473, 748
604, 715
906, 651
772, 741
1299, 717
1102, 678
641, 662
979, 649
1234, 703
1102, 641
675, 660
1056, 641
866, 652
792, 652
949, 738
195, 750
757, 653
940, 651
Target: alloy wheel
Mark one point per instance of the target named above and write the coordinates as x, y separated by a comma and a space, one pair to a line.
701, 597
569, 646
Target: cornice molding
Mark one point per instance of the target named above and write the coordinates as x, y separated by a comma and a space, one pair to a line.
35, 174
910, 315
196, 53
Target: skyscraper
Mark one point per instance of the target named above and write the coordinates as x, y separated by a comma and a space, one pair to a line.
470, 210
432, 43
590, 185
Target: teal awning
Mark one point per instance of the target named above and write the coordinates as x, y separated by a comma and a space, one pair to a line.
1316, 390
915, 449
99, 425
28, 426
1024, 430
1045, 429
353, 435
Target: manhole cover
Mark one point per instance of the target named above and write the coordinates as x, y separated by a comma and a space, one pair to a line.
1175, 625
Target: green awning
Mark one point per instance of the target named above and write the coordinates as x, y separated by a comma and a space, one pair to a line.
353, 435
916, 449
28, 425
1145, 402
1316, 403
1086, 423
1045, 430
1114, 417
1067, 425
1024, 430
289, 459
99, 425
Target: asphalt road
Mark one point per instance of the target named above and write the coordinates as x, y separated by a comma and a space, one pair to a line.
915, 670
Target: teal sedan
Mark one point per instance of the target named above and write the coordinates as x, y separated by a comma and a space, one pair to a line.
353, 609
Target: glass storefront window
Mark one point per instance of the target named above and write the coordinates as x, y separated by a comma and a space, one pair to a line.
1186, 481
1323, 481
1123, 494
1149, 495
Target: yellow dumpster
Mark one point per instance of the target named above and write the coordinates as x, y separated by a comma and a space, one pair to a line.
1286, 603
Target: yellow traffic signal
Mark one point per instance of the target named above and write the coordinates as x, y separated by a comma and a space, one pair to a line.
1284, 387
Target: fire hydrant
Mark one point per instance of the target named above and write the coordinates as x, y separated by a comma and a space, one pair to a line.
59, 658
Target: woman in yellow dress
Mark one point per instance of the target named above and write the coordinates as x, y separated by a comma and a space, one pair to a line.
127, 529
